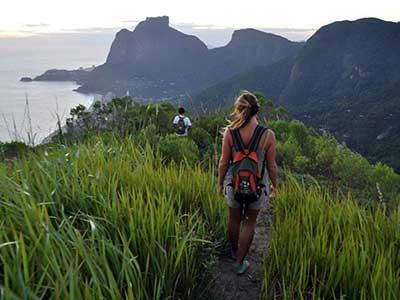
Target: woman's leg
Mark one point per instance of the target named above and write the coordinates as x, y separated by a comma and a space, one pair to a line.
234, 229
247, 233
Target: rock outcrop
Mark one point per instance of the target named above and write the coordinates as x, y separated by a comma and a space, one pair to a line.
26, 79
79, 76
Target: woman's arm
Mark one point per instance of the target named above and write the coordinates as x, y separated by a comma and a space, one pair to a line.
271, 162
224, 161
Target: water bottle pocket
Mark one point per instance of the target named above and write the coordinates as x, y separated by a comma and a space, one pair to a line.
229, 191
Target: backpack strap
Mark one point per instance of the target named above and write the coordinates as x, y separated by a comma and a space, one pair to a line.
237, 140
255, 139
264, 165
254, 142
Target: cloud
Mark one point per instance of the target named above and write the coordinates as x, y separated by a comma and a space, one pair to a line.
91, 30
195, 26
211, 34
130, 21
209, 27
37, 25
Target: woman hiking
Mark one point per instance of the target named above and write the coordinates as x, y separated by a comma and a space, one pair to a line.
246, 166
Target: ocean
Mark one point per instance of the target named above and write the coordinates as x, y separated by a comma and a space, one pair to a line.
33, 107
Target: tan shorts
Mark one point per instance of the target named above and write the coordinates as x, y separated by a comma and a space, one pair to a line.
229, 195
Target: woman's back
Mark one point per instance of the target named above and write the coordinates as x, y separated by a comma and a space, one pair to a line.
246, 133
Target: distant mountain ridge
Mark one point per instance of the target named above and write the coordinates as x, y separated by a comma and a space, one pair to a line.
346, 79
156, 62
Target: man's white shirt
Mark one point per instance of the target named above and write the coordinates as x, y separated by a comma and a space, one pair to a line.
187, 123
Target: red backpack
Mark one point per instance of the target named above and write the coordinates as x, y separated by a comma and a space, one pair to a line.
246, 167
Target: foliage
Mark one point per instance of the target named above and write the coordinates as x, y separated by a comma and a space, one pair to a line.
328, 248
13, 149
149, 135
301, 164
204, 142
126, 209
299, 148
287, 153
177, 149
104, 220
121, 115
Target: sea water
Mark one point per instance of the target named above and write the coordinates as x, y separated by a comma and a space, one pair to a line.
33, 108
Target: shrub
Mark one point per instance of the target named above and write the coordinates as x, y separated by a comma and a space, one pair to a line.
326, 150
301, 164
287, 152
178, 149
351, 169
387, 180
201, 137
281, 129
299, 132
13, 149
149, 135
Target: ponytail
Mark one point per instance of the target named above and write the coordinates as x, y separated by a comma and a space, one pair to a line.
246, 106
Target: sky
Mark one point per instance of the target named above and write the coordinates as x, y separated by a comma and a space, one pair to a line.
25, 16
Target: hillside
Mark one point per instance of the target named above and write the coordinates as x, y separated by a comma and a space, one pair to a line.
345, 80
120, 208
270, 80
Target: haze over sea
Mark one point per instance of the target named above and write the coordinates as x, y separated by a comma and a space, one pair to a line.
30, 57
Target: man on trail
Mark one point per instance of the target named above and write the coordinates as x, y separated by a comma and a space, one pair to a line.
182, 123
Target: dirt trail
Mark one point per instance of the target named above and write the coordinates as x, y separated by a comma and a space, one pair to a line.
226, 284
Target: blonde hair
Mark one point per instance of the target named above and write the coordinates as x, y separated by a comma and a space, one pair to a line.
246, 106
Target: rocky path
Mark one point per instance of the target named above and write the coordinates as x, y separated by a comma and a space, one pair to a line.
226, 284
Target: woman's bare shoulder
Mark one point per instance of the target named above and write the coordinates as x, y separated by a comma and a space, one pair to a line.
226, 132
270, 133
227, 136
268, 138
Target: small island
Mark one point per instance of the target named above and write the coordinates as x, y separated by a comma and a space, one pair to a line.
26, 79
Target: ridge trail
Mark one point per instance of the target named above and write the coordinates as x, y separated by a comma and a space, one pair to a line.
226, 284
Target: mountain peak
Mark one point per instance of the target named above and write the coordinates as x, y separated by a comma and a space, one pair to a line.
154, 23
250, 36
161, 21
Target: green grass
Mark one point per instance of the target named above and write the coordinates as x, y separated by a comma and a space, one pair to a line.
104, 220
108, 219
326, 248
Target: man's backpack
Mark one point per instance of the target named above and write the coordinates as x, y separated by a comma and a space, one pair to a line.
181, 126
246, 168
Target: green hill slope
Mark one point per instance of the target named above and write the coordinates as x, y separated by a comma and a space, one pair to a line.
129, 210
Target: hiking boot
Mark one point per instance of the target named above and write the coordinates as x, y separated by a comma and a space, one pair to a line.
242, 267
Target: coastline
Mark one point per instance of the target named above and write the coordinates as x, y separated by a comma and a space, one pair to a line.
96, 97
33, 107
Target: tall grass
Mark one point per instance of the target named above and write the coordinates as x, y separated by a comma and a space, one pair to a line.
104, 220
326, 248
